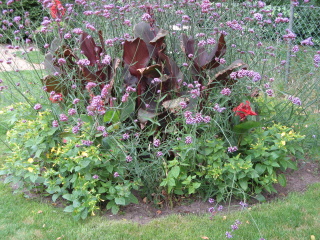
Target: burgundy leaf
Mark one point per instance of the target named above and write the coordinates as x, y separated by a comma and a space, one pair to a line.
89, 48
153, 71
136, 55
172, 70
101, 41
88, 75
218, 52
187, 45
223, 75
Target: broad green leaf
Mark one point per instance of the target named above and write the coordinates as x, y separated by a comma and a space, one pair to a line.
132, 199
246, 126
33, 178
174, 172
260, 168
68, 197
128, 108
112, 116
260, 198
120, 201
144, 116
55, 197
243, 184
69, 208
115, 209
282, 180
76, 203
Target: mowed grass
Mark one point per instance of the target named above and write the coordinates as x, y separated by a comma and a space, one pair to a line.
35, 57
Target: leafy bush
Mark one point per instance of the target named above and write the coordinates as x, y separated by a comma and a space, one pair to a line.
124, 112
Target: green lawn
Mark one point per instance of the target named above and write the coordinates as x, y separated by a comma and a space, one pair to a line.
35, 57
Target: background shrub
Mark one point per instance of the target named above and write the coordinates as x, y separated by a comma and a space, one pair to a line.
19, 8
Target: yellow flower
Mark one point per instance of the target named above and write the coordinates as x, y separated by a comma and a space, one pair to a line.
30, 169
84, 154
30, 160
283, 143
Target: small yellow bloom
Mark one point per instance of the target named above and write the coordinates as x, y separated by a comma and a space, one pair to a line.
30, 169
84, 154
283, 143
282, 134
53, 149
30, 160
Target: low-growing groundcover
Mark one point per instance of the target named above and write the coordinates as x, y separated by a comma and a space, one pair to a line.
139, 110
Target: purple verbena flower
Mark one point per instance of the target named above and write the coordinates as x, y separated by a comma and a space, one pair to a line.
125, 136
232, 149
128, 158
55, 123
72, 111
87, 142
226, 91
37, 106
156, 142
63, 118
188, 140
228, 235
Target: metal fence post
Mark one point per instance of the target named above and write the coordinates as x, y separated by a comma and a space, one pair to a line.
286, 76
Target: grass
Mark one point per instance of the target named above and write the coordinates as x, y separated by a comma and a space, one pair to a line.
29, 85
34, 57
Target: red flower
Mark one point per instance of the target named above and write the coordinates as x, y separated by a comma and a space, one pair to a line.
56, 98
57, 10
243, 110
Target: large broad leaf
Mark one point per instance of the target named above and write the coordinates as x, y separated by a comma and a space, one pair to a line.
282, 180
246, 126
89, 48
187, 45
143, 31
218, 52
174, 104
158, 43
136, 55
223, 75
153, 71
202, 59
172, 70
145, 116
128, 107
53, 83
112, 116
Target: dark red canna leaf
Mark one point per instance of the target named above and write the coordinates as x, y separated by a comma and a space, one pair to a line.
89, 48
223, 75
218, 52
153, 71
187, 45
136, 55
